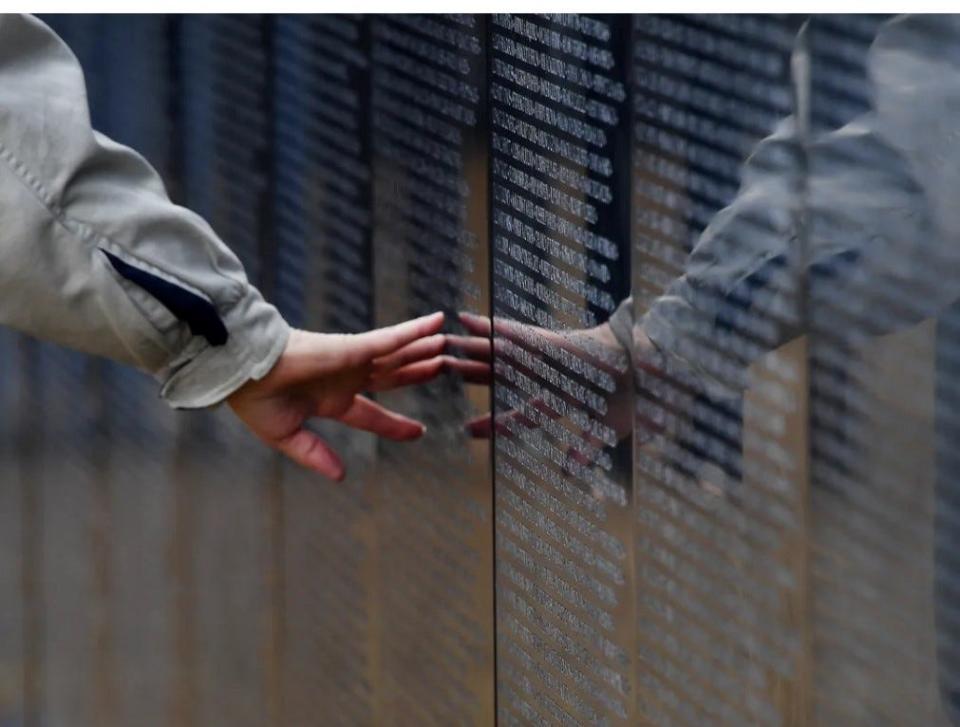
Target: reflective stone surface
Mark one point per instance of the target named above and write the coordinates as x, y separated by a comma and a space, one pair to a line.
434, 519
697, 467
560, 166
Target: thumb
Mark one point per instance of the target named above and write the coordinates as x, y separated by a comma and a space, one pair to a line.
307, 449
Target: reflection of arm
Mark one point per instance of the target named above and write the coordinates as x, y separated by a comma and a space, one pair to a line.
872, 256
740, 261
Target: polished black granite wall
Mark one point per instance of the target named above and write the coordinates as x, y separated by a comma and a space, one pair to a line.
708, 480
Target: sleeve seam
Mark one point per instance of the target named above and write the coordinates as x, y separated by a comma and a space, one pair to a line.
95, 239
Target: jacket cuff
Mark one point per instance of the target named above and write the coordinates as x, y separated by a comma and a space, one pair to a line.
621, 324
204, 375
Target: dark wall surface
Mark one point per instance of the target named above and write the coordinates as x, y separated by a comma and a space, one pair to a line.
712, 480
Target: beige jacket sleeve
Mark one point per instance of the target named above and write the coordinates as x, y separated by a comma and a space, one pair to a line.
95, 256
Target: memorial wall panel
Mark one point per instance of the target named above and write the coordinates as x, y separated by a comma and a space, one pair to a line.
131, 103
324, 282
560, 229
720, 427
225, 549
434, 516
93, 520
883, 237
13, 453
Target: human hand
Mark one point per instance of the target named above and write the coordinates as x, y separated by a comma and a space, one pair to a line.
597, 347
323, 374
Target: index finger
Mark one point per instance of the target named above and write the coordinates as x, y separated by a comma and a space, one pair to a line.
382, 341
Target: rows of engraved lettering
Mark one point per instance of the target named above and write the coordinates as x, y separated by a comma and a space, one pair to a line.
335, 629
450, 248
534, 666
511, 700
839, 441
239, 131
866, 621
439, 196
429, 559
514, 357
544, 190
440, 32
667, 402
684, 643
707, 86
702, 690
845, 470
570, 257
840, 89
557, 93
430, 137
672, 48
749, 331
729, 49
717, 120
703, 193
572, 625
765, 504
570, 672
444, 254
460, 107
442, 499
664, 229
516, 606
718, 431
565, 43
546, 114
661, 572
427, 48
420, 70
682, 559
582, 238
333, 117
865, 521
416, 94
524, 180
565, 312
536, 82
434, 568
673, 591
845, 318
591, 478
685, 522
569, 284
550, 660
529, 445
524, 527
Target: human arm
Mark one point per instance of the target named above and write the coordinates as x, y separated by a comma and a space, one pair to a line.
95, 256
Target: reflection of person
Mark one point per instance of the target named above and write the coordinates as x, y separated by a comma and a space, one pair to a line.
866, 217
95, 256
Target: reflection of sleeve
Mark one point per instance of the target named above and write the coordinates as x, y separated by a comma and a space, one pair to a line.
93, 254
871, 254
735, 280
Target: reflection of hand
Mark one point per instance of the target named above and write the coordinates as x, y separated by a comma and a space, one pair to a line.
322, 375
597, 347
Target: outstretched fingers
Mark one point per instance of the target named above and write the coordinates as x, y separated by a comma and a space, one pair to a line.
307, 449
384, 341
419, 350
372, 417
416, 373
478, 348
